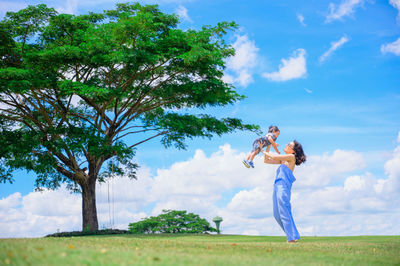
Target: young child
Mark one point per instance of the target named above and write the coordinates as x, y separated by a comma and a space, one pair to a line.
258, 144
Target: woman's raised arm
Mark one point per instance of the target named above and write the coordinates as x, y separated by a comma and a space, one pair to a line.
272, 158
269, 160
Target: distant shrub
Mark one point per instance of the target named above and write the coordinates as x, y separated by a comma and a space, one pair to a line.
172, 221
87, 233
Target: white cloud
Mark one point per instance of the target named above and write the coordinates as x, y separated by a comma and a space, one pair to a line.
346, 8
292, 68
354, 183
182, 12
6, 6
240, 66
39, 213
246, 53
300, 17
328, 198
191, 185
391, 185
318, 170
253, 203
334, 46
11, 201
70, 7
393, 47
357, 195
396, 4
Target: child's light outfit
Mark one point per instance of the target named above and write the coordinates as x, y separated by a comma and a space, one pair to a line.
264, 141
256, 146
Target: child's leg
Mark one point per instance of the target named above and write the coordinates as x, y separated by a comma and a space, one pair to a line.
256, 149
253, 154
250, 156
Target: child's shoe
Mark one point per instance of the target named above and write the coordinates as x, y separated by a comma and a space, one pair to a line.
251, 164
246, 164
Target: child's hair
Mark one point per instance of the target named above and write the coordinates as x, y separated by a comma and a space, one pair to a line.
273, 129
299, 153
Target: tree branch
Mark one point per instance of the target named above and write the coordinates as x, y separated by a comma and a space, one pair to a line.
159, 134
134, 132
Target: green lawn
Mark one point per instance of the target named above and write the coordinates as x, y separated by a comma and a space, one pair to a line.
200, 250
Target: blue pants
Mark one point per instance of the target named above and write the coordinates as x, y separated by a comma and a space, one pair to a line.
282, 210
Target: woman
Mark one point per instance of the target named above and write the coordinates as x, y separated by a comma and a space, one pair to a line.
294, 155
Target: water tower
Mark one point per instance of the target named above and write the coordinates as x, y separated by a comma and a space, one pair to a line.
217, 220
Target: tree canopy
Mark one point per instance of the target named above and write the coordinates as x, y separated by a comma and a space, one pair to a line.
172, 221
79, 90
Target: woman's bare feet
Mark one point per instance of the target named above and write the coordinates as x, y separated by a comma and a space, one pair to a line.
292, 241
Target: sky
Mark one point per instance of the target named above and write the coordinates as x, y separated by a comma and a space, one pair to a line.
327, 73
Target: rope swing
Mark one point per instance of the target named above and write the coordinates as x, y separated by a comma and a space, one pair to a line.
111, 204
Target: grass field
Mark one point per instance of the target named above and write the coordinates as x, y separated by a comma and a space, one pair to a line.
200, 250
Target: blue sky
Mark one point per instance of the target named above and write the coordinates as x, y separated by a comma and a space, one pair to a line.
326, 72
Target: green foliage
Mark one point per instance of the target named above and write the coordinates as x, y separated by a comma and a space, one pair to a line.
129, 70
78, 91
172, 221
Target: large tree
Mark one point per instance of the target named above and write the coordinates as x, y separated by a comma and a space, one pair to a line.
80, 91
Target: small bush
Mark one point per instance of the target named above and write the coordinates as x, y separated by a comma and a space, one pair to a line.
88, 233
172, 221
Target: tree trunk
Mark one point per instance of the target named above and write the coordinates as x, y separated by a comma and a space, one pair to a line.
89, 210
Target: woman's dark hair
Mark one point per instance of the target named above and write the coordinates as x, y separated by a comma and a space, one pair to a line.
299, 153
273, 129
